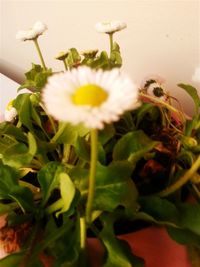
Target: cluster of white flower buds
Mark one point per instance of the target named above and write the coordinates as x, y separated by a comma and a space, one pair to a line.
110, 26
33, 33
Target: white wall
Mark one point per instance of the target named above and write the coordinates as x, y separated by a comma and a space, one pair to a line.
162, 37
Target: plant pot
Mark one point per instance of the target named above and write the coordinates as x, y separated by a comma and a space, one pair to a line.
152, 243
9, 244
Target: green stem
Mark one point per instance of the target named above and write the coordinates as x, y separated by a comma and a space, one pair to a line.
196, 190
159, 101
39, 53
58, 133
82, 233
111, 42
33, 241
50, 118
33, 188
183, 180
93, 162
53, 207
66, 153
65, 64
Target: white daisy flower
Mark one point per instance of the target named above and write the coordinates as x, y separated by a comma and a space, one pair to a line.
62, 55
91, 97
90, 53
31, 34
10, 112
153, 85
110, 26
196, 75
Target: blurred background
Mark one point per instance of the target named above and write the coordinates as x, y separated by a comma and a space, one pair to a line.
162, 36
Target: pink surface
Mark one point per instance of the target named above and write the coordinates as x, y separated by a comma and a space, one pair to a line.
153, 244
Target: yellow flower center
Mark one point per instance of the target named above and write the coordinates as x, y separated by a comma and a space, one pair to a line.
9, 105
89, 94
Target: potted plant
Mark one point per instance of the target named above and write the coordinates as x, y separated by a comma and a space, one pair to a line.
86, 153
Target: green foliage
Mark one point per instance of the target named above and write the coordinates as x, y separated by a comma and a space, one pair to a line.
48, 178
36, 78
12, 260
118, 252
160, 209
193, 93
45, 167
115, 188
115, 57
133, 146
11, 190
73, 59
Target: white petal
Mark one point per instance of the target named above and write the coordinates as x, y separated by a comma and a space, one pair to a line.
110, 26
122, 96
196, 76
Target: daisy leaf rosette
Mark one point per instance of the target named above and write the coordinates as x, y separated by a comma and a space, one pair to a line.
91, 97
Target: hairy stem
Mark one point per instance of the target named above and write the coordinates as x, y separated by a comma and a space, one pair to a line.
111, 42
82, 233
93, 162
39, 53
183, 180
65, 64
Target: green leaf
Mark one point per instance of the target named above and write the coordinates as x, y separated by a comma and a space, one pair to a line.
6, 142
73, 58
36, 78
49, 180
143, 111
116, 47
53, 233
184, 236
12, 260
35, 263
11, 131
82, 148
64, 253
80, 176
133, 146
106, 134
114, 188
190, 217
23, 197
68, 133
5, 208
23, 106
160, 209
36, 116
142, 216
102, 61
101, 154
32, 144
118, 252
8, 179
17, 156
10, 189
67, 191
193, 93
116, 59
